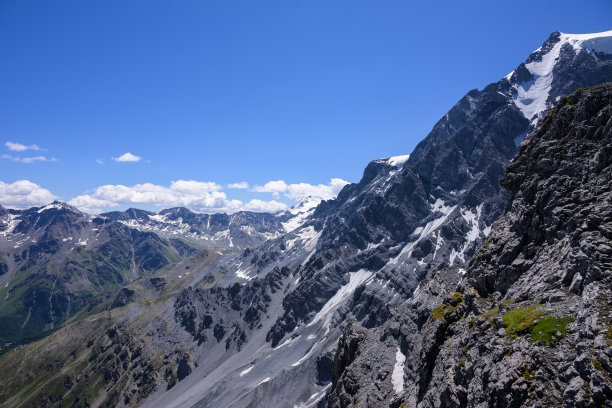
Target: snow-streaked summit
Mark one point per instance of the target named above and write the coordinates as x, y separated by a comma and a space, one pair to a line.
300, 212
304, 205
532, 96
58, 205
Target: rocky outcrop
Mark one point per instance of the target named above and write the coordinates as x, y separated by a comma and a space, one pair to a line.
529, 322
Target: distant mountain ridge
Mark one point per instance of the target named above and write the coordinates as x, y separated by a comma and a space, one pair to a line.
244, 229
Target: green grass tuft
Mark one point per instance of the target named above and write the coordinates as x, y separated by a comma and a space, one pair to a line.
455, 300
521, 320
545, 331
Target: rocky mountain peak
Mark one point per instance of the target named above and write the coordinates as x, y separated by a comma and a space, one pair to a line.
58, 205
543, 78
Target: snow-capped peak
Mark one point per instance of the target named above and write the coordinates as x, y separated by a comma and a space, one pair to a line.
531, 96
301, 211
304, 205
57, 205
597, 42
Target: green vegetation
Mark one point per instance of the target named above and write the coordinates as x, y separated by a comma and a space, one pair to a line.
530, 319
550, 330
461, 362
598, 366
521, 320
455, 300
170, 377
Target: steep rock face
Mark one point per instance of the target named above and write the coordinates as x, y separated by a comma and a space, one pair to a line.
56, 261
529, 322
404, 219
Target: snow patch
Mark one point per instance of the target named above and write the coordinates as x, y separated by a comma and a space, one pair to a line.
56, 206
301, 212
397, 378
597, 42
13, 221
248, 370
242, 273
265, 380
342, 295
429, 228
473, 219
309, 237
398, 160
314, 398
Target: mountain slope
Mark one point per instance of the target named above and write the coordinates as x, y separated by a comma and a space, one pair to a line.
109, 358
58, 261
529, 322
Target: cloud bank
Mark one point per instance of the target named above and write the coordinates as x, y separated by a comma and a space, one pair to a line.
302, 190
201, 196
24, 194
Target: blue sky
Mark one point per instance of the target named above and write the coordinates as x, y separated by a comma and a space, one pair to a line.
221, 92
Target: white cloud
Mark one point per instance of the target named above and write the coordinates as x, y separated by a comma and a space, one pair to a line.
322, 191
275, 187
194, 187
127, 157
197, 195
18, 147
99, 161
90, 204
301, 190
241, 185
264, 206
28, 160
23, 194
201, 196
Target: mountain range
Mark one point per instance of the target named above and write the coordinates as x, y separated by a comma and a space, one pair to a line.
404, 290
